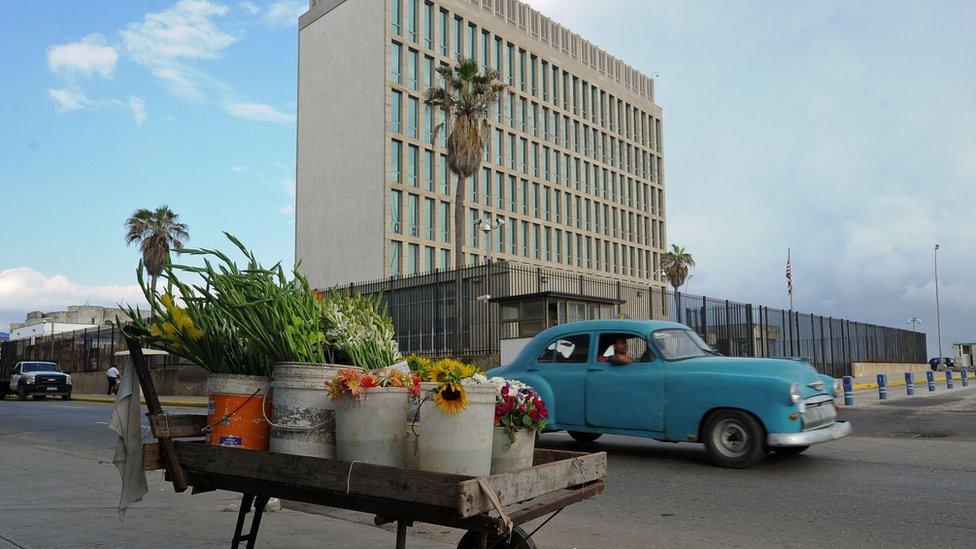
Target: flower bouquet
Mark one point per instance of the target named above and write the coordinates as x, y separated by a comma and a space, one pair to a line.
520, 413
370, 413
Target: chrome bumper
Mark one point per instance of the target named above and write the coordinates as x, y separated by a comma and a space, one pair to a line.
834, 431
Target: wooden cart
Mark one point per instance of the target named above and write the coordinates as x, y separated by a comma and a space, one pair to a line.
490, 508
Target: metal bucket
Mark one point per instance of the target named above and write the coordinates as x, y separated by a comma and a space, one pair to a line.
461, 443
369, 429
302, 412
236, 412
507, 456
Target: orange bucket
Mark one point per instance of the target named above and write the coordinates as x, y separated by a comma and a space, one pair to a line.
235, 413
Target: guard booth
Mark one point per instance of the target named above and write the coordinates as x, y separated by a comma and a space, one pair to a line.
522, 317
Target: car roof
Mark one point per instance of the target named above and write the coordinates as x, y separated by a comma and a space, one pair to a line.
611, 324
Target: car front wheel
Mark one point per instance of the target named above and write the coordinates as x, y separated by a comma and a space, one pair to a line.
734, 439
22, 392
580, 436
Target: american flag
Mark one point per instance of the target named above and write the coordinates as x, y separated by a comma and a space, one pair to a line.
789, 273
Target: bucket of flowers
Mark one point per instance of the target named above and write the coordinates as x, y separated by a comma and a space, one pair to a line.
520, 413
370, 412
457, 410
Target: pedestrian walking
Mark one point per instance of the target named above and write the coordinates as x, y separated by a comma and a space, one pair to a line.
113, 380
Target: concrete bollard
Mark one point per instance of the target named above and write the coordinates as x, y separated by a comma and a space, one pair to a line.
930, 378
910, 383
883, 386
948, 379
848, 390
964, 375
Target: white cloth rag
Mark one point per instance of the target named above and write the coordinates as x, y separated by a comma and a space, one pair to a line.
127, 423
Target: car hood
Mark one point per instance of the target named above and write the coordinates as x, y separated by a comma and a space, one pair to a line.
795, 371
46, 373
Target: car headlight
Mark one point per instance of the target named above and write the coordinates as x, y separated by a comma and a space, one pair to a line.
29, 378
67, 380
794, 393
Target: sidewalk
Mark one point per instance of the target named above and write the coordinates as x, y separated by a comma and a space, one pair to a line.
164, 400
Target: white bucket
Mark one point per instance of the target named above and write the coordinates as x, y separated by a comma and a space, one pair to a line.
302, 413
411, 461
370, 429
507, 456
459, 444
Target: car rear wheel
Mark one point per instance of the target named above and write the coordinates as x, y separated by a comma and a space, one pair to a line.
734, 439
580, 436
789, 450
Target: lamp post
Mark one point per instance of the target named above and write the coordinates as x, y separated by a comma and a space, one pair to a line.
914, 321
938, 315
486, 226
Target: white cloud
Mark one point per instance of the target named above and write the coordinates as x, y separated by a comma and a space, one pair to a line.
250, 7
258, 111
69, 100
168, 41
87, 57
287, 209
23, 288
138, 107
284, 13
287, 184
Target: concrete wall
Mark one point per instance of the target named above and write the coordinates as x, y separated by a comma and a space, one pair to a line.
893, 370
339, 221
163, 378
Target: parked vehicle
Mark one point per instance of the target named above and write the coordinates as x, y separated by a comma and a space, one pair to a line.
660, 380
945, 362
37, 379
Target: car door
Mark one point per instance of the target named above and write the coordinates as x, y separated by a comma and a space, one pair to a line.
563, 365
15, 377
626, 396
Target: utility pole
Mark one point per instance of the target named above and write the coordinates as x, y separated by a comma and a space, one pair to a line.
938, 316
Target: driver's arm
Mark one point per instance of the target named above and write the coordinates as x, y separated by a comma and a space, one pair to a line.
620, 359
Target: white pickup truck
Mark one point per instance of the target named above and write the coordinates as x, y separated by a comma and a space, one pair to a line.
37, 379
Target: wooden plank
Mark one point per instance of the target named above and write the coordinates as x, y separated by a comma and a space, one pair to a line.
170, 457
550, 503
545, 455
177, 425
152, 460
392, 483
529, 483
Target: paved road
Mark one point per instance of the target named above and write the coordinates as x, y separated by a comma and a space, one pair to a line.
907, 478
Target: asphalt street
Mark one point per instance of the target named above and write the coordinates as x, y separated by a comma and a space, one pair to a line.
906, 478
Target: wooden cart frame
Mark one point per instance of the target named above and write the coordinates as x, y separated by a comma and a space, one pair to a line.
488, 506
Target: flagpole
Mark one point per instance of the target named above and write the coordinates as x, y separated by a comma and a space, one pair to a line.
789, 275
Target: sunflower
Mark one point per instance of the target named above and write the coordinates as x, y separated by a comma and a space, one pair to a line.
452, 398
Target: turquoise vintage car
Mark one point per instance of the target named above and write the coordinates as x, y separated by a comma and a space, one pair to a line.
660, 380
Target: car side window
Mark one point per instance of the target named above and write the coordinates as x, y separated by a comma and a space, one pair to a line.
623, 348
573, 349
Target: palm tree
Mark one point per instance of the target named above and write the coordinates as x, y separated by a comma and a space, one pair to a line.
465, 100
157, 232
675, 265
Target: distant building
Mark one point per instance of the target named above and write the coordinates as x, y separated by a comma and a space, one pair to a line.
964, 351
76, 317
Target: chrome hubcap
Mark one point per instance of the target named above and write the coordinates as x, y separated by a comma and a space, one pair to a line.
731, 438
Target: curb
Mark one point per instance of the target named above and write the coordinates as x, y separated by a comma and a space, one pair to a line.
900, 383
162, 401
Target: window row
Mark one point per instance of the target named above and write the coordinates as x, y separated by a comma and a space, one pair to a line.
420, 167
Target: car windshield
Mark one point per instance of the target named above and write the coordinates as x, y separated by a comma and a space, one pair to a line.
677, 344
40, 367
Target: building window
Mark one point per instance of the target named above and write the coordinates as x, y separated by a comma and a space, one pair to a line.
428, 26
429, 170
395, 248
412, 106
412, 20
511, 64
412, 201
429, 218
412, 67
499, 190
413, 154
395, 52
444, 31
395, 114
445, 259
486, 178
429, 124
429, 259
428, 72
458, 38
395, 212
445, 175
472, 40
445, 223
413, 255
395, 16
485, 51
396, 152
473, 231
512, 232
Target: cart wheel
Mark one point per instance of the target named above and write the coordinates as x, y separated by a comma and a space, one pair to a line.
519, 539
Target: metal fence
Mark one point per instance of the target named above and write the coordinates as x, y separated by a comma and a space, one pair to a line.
423, 310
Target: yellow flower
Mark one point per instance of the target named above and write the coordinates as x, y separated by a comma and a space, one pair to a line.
452, 398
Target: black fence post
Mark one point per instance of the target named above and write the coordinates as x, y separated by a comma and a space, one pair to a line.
749, 330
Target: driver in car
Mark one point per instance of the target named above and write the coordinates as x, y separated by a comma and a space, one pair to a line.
620, 355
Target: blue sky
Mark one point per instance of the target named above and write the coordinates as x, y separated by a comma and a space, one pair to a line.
840, 129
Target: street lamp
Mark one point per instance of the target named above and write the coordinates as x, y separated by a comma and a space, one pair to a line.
938, 315
486, 226
914, 321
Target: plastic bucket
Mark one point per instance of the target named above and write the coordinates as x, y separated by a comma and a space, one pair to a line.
302, 413
459, 444
235, 411
370, 429
507, 456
